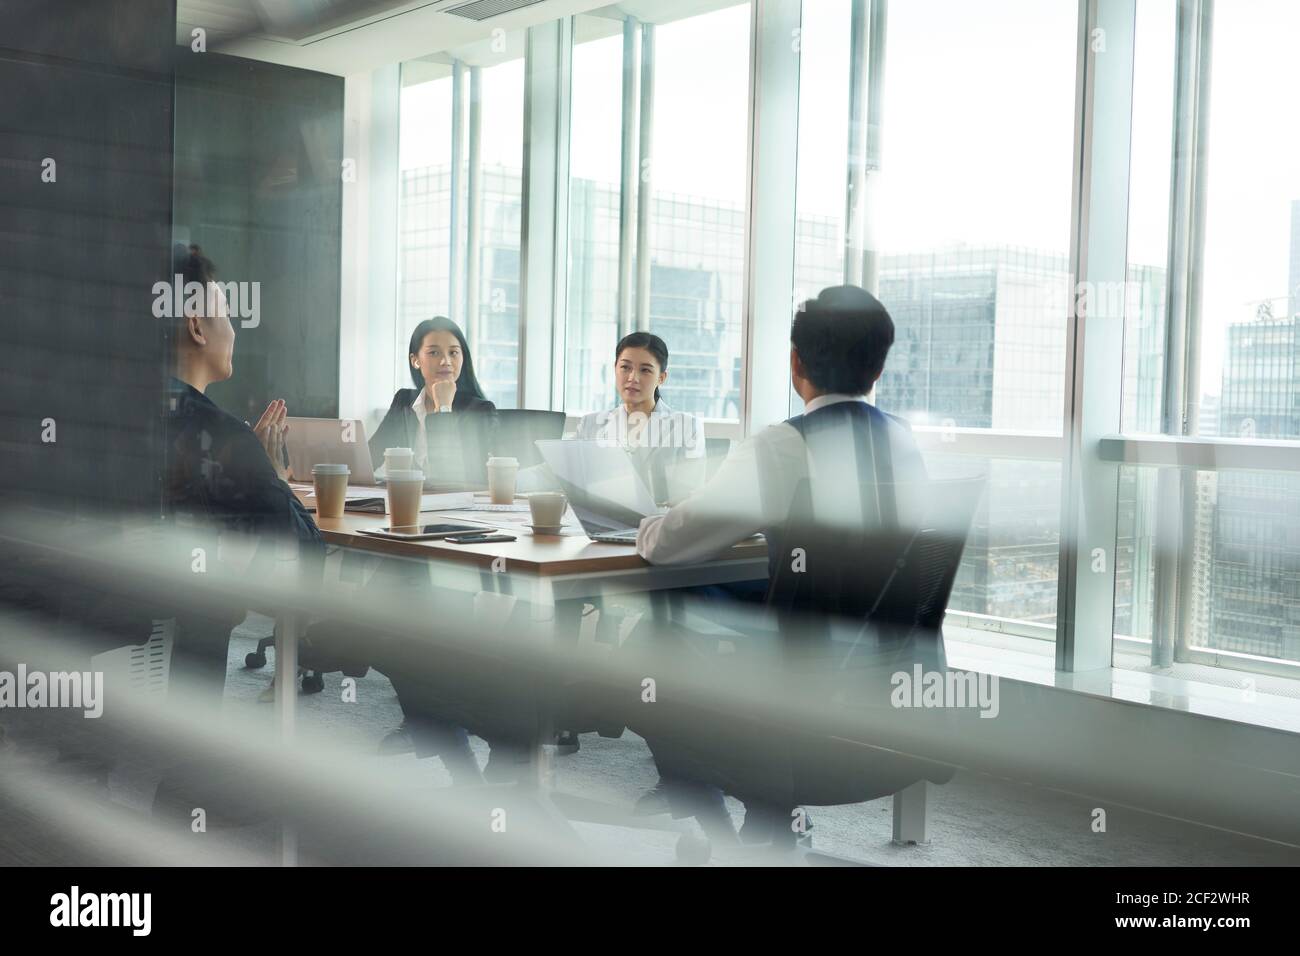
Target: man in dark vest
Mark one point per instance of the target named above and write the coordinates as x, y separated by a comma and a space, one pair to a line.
841, 443
842, 464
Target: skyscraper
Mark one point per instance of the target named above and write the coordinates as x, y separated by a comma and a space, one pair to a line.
1253, 555
1254, 577
980, 342
1261, 389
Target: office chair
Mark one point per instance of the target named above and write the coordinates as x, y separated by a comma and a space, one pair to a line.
865, 604
313, 679
518, 428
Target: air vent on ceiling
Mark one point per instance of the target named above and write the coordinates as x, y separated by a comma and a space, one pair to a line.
485, 9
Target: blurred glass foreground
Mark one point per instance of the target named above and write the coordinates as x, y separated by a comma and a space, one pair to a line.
768, 706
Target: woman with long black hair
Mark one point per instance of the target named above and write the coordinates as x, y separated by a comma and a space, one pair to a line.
446, 419
449, 424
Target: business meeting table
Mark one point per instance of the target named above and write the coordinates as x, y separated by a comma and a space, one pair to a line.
554, 567
546, 571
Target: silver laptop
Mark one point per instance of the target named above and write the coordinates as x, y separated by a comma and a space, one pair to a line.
605, 490
339, 441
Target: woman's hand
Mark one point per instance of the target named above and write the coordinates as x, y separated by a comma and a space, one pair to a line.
444, 393
270, 430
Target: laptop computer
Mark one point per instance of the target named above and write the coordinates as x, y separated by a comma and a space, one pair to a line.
605, 491
343, 441
340, 441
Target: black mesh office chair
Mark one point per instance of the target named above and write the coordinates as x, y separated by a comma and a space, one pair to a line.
857, 607
313, 679
517, 430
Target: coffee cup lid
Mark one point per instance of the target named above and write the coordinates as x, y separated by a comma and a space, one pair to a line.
400, 451
503, 462
330, 469
406, 474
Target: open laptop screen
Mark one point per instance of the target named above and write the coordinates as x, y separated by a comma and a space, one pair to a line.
338, 441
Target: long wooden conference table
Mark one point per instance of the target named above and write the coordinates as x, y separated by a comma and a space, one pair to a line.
546, 571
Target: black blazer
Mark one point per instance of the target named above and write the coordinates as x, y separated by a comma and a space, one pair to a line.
218, 478
471, 428
217, 472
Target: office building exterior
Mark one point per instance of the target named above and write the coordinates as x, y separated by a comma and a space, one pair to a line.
1254, 605
980, 343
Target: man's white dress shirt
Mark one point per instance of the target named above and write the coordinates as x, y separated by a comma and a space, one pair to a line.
752, 490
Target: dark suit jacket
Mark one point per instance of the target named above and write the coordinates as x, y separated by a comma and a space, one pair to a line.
470, 429
217, 478
218, 472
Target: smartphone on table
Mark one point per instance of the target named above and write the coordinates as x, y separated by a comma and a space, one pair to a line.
479, 537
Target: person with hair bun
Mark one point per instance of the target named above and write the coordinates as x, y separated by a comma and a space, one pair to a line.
220, 473
666, 446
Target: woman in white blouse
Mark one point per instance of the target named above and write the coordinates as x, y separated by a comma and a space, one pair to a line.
666, 446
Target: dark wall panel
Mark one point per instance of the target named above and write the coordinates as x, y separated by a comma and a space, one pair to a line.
259, 149
89, 86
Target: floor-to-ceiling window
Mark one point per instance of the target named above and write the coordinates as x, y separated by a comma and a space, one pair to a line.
970, 234
424, 200
695, 171
961, 225
595, 193
461, 199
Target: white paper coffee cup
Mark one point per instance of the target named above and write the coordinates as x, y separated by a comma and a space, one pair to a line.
331, 489
502, 473
398, 459
405, 487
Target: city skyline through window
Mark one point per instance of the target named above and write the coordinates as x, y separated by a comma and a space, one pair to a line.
970, 216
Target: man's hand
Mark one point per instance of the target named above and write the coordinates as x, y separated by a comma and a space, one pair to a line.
444, 393
270, 430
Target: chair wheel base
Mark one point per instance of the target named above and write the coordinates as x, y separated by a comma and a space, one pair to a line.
254, 660
313, 684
